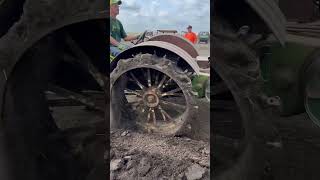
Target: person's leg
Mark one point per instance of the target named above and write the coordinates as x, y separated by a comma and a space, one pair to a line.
114, 51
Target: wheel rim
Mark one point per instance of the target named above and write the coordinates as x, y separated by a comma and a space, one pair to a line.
159, 92
155, 97
34, 62
229, 133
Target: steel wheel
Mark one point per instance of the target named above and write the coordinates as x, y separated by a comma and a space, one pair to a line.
236, 138
44, 139
156, 93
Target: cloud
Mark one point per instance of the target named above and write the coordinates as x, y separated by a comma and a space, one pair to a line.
163, 13
138, 15
130, 5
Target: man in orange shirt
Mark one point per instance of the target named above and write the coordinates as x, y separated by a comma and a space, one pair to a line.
191, 35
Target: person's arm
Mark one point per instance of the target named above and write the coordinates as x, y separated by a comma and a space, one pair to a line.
113, 41
125, 36
130, 38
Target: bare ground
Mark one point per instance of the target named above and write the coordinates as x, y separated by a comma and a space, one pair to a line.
174, 157
301, 147
145, 156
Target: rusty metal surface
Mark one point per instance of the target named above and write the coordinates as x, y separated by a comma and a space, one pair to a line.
178, 41
175, 49
271, 14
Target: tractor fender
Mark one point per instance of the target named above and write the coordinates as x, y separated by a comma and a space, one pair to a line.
179, 41
152, 47
270, 13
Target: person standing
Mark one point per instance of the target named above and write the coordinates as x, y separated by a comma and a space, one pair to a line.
191, 36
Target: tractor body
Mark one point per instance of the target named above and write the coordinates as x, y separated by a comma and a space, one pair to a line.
293, 70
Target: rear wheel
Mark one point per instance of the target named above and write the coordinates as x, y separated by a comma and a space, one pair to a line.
152, 94
44, 141
238, 118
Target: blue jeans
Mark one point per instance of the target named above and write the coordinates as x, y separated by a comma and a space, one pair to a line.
114, 51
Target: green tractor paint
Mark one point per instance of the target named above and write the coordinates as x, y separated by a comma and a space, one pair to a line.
199, 85
289, 72
292, 72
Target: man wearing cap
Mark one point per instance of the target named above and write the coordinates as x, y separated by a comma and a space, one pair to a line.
117, 31
191, 35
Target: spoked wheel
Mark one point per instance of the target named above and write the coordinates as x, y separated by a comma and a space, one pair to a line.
154, 91
50, 134
229, 132
236, 107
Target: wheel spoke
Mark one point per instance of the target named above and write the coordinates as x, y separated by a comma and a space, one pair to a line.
75, 96
149, 115
97, 76
154, 116
171, 93
86, 62
162, 81
137, 81
149, 78
136, 104
135, 99
167, 83
174, 105
132, 92
156, 77
165, 114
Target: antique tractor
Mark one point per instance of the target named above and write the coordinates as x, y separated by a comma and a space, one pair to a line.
156, 85
293, 70
55, 88
53, 75
242, 129
267, 57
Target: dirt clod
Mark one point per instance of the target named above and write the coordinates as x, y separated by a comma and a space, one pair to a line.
144, 166
195, 172
115, 164
125, 133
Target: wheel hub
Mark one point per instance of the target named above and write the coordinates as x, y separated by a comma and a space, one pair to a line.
151, 98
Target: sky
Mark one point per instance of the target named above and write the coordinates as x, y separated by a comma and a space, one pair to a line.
140, 15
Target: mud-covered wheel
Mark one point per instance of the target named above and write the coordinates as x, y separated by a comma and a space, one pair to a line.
42, 137
240, 126
152, 94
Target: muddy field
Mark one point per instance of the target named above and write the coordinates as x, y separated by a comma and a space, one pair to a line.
301, 146
136, 155
146, 156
